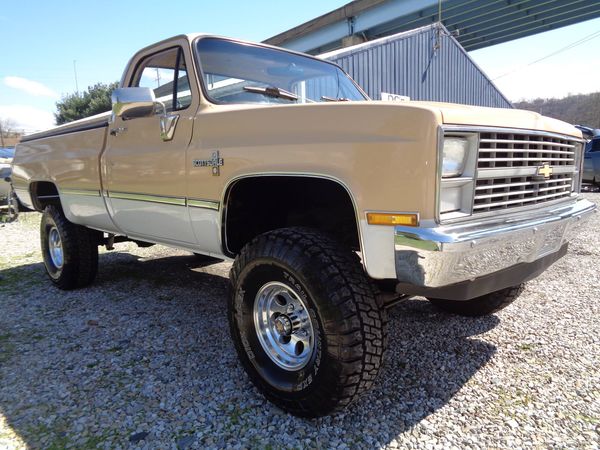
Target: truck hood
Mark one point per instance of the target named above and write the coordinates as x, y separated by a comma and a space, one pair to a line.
455, 114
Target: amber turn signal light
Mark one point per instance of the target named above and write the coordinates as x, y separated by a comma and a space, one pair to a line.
409, 220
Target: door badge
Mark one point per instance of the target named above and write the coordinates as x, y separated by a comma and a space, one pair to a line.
215, 162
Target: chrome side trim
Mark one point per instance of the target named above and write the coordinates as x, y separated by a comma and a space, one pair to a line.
88, 124
200, 203
179, 201
88, 192
445, 255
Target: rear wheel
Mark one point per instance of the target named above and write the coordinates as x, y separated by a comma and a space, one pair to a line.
480, 306
13, 207
305, 321
70, 251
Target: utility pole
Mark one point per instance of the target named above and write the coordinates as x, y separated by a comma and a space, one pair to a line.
1, 134
157, 78
75, 72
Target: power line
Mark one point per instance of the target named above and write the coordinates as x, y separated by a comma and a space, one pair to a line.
583, 40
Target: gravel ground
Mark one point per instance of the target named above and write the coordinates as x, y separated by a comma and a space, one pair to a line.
142, 359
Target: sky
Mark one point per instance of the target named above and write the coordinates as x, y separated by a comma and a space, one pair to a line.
42, 39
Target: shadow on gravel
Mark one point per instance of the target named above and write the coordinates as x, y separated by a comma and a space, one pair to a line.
143, 357
431, 355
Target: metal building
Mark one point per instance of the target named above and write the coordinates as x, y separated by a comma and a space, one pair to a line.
423, 64
427, 63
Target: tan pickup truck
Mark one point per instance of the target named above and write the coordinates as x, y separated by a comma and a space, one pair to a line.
330, 205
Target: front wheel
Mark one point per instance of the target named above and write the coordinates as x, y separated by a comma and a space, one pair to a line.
480, 306
305, 321
70, 251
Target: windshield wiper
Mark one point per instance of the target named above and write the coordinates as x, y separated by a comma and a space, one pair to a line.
272, 91
331, 99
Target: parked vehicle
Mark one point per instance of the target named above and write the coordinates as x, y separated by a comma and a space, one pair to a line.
7, 195
330, 206
591, 162
6, 156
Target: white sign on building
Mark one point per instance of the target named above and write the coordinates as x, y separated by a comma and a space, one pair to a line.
394, 97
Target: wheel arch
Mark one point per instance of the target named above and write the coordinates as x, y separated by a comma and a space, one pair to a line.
258, 177
44, 193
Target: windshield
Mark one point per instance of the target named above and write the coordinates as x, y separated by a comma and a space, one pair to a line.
234, 72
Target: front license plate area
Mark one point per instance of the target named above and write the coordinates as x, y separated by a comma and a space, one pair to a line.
553, 239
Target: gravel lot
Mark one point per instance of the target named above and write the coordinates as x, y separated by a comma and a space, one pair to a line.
142, 359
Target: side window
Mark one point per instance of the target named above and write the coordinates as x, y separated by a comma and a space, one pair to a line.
166, 74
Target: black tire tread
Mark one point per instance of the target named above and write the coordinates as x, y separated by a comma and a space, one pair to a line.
361, 336
80, 246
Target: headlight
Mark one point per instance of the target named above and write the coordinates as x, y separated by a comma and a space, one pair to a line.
458, 161
455, 153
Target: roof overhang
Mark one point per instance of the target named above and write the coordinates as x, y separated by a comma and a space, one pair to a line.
475, 23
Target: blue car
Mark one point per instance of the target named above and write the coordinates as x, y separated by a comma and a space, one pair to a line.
591, 161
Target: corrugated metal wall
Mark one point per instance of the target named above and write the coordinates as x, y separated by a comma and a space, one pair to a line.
408, 64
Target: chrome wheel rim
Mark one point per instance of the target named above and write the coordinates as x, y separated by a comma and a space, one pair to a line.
283, 326
55, 248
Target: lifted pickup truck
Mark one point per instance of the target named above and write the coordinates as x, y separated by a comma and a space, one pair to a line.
329, 204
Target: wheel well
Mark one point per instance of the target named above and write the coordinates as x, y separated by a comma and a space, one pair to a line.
259, 204
44, 193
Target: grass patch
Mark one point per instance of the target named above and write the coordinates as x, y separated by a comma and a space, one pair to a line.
7, 348
59, 442
15, 280
526, 347
56, 439
93, 442
588, 419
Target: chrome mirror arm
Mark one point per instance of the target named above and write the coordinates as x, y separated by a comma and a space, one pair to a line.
162, 106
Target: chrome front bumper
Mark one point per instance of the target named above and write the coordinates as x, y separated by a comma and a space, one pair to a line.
446, 255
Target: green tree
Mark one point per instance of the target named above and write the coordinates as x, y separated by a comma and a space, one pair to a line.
95, 100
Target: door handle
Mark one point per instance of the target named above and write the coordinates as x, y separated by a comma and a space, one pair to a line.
168, 122
117, 131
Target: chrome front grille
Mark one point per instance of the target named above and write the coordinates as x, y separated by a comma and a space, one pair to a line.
508, 170
492, 194
524, 150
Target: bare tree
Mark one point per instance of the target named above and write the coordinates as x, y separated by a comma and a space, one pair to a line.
581, 109
7, 127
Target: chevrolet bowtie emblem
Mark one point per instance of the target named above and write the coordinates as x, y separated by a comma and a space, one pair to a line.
215, 162
544, 171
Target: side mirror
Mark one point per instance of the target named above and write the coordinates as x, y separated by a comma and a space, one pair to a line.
133, 102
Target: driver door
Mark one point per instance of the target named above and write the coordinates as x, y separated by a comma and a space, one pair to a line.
144, 169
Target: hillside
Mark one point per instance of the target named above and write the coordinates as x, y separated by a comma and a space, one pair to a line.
583, 109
